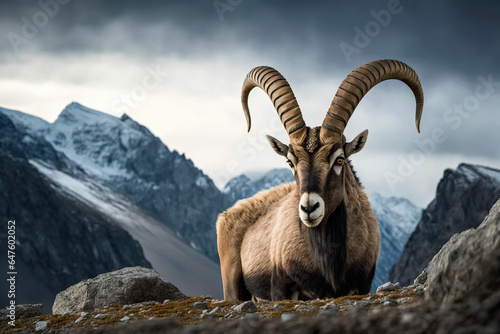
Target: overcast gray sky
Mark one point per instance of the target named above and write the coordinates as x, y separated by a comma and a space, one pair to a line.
177, 67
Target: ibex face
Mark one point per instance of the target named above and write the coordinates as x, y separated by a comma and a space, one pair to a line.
318, 156
319, 172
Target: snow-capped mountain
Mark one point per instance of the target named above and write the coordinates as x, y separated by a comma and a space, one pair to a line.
129, 159
464, 197
397, 217
59, 241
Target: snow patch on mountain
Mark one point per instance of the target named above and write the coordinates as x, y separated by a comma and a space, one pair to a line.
25, 122
189, 270
473, 173
103, 156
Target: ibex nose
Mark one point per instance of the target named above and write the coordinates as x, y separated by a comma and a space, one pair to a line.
311, 209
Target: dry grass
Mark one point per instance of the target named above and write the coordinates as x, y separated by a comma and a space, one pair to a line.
183, 311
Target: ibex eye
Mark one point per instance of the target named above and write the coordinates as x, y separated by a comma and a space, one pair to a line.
339, 161
290, 163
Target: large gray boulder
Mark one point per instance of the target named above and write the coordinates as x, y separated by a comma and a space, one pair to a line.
468, 265
126, 286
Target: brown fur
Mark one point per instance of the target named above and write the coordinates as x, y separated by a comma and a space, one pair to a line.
261, 242
265, 249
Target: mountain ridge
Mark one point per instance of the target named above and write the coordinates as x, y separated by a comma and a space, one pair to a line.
129, 159
463, 198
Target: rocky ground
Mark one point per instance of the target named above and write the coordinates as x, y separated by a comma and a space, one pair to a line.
204, 309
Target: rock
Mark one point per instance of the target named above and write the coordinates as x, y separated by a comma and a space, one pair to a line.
329, 312
361, 304
247, 306
206, 315
468, 265
100, 316
200, 305
277, 308
389, 286
23, 311
390, 302
418, 288
125, 319
215, 310
288, 316
41, 325
125, 286
79, 320
329, 305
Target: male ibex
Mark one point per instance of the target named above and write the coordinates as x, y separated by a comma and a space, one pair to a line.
264, 251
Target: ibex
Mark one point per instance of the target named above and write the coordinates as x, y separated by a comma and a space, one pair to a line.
265, 252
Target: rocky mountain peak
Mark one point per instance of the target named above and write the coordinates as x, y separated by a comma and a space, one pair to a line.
463, 198
126, 157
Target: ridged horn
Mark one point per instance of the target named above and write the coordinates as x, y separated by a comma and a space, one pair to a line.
282, 97
357, 84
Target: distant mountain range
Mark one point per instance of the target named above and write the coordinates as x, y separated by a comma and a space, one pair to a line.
93, 193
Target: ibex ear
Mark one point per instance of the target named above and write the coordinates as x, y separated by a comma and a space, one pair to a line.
277, 146
356, 144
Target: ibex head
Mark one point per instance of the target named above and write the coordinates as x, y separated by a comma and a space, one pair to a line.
318, 156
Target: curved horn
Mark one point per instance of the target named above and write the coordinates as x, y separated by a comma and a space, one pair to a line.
357, 84
280, 93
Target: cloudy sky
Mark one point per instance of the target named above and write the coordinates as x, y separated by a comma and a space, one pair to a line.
177, 67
